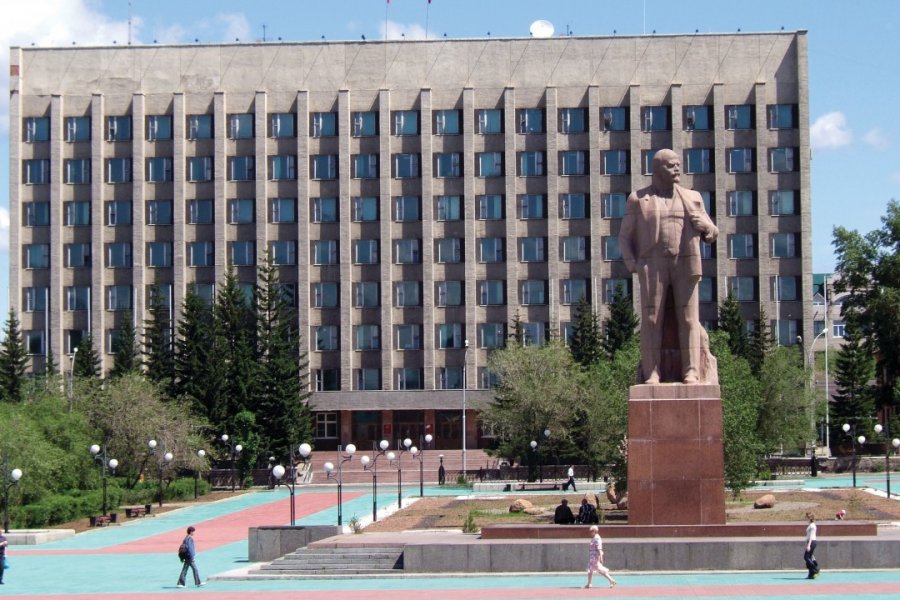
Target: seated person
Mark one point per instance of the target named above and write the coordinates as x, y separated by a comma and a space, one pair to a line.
587, 514
563, 514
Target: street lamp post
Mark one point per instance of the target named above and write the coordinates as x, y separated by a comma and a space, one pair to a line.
343, 455
534, 455
465, 384
851, 431
372, 465
887, 452
278, 472
201, 454
106, 466
233, 449
161, 463
71, 394
812, 366
420, 456
10, 479
546, 453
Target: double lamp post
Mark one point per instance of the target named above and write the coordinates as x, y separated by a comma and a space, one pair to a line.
278, 472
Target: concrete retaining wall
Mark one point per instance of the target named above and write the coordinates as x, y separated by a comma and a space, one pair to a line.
268, 543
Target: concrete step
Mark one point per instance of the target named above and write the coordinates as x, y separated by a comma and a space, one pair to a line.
335, 562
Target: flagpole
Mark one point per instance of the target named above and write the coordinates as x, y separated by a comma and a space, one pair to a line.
427, 10
386, 6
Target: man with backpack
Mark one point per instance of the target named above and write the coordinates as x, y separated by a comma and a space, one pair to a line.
187, 553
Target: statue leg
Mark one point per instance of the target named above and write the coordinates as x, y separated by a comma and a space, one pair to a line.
690, 331
653, 286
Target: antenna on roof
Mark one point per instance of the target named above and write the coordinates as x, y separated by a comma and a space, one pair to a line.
129, 22
541, 29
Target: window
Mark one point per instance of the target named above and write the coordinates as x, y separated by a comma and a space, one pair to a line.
365, 124
323, 166
447, 122
118, 212
698, 160
572, 120
531, 206
323, 124
784, 202
448, 208
406, 122
741, 245
531, 164
490, 207
533, 291
786, 331
199, 168
159, 212
615, 162
611, 249
35, 299
784, 245
655, 118
407, 208
532, 249
76, 255
781, 160
34, 341
328, 380
530, 120
739, 116
325, 294
647, 161
240, 126
408, 337
282, 167
77, 171
406, 165
709, 203
490, 250
241, 211
449, 378
366, 337
489, 121
407, 293
326, 424
614, 205
838, 329
36, 129
706, 250
242, 253
740, 160
36, 171
283, 252
325, 252
573, 290
326, 337
118, 255
365, 252
448, 250
200, 127
574, 248
118, 128
449, 335
489, 164
288, 293
698, 118
200, 211
449, 293
200, 254
784, 288
573, 162
366, 294
818, 327
78, 129
364, 166
782, 116
118, 297
37, 256
324, 210
491, 335
37, 214
159, 169
118, 170
159, 254
573, 206
281, 125
742, 289
491, 292
741, 203
447, 164
535, 333
616, 287
706, 290
409, 378
615, 118
365, 208
159, 127
282, 210
241, 168
407, 252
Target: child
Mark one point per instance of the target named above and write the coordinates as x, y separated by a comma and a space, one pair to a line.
595, 562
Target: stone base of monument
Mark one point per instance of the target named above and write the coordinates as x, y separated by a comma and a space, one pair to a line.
675, 459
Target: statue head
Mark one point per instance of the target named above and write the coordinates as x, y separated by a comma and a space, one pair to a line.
666, 169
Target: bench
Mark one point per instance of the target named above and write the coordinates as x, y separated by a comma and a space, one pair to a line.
100, 520
538, 487
137, 511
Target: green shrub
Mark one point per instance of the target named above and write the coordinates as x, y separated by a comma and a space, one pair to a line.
469, 525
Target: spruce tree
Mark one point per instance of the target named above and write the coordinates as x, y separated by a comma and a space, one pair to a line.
517, 334
159, 359
87, 361
235, 344
586, 343
197, 375
621, 323
854, 401
760, 343
127, 359
732, 323
50, 367
13, 360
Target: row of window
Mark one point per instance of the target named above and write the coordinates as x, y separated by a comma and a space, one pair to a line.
324, 167
407, 122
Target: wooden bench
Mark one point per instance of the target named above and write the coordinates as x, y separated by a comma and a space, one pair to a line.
537, 487
100, 520
136, 511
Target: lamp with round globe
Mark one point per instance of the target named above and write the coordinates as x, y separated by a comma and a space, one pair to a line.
344, 455
371, 464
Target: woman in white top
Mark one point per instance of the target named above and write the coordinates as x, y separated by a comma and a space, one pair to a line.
595, 561
809, 555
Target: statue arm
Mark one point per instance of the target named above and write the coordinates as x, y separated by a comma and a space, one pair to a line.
699, 219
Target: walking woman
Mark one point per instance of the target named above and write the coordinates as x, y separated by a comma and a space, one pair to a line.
809, 555
595, 561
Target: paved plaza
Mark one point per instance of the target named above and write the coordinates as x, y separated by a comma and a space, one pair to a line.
137, 560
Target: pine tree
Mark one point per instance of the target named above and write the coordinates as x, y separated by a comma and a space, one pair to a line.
235, 343
855, 400
621, 323
13, 360
127, 358
50, 367
87, 361
586, 343
760, 343
518, 331
732, 323
197, 375
159, 357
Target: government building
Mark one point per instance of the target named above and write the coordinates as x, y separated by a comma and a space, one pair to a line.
419, 197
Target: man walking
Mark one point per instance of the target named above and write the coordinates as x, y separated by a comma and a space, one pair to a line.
188, 553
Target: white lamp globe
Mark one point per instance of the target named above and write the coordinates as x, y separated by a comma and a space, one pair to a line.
278, 471
305, 450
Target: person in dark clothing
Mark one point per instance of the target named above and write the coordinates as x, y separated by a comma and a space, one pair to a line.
3, 544
189, 559
587, 514
563, 514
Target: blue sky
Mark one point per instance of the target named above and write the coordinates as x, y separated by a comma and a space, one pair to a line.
854, 51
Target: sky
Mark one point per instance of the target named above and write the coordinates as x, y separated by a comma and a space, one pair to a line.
854, 52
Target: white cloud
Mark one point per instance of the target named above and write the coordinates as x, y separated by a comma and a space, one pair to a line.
235, 26
830, 131
877, 139
396, 31
4, 229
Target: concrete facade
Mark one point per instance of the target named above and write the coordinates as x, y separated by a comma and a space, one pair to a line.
470, 181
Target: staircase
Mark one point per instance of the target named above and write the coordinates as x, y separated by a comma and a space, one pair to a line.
353, 472
334, 562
